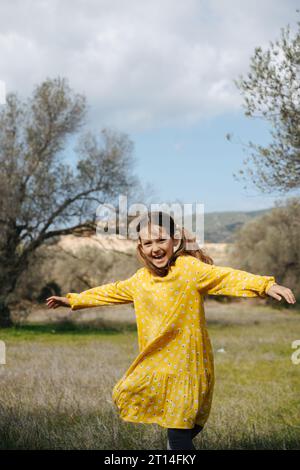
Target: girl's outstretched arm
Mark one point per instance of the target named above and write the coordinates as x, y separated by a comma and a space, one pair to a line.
119, 292
219, 280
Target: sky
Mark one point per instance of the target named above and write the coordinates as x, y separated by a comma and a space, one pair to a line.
160, 71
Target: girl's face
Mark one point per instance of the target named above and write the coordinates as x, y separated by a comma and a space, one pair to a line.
157, 245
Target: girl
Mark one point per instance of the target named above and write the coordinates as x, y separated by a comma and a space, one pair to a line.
171, 381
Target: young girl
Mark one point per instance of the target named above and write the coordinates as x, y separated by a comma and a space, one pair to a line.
171, 381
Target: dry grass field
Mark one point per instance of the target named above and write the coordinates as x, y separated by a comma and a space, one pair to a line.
61, 367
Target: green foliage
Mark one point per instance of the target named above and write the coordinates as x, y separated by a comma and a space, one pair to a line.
271, 91
270, 245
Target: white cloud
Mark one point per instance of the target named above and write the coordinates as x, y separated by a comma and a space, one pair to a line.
141, 64
2, 92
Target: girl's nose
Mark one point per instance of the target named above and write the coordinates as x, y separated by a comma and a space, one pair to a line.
155, 248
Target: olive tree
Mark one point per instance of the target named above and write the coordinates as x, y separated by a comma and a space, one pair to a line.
42, 196
271, 91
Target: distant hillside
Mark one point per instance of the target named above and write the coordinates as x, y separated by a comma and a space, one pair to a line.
219, 227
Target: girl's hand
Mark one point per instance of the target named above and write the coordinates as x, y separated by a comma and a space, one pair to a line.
54, 302
277, 292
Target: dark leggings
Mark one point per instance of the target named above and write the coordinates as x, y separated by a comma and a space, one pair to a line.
181, 439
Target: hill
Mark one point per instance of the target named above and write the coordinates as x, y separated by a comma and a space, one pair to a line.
220, 227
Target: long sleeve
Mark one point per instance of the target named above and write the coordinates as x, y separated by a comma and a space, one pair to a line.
219, 280
119, 292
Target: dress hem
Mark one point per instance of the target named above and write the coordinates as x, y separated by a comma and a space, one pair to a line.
154, 421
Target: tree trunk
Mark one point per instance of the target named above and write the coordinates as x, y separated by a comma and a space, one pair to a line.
5, 317
8, 281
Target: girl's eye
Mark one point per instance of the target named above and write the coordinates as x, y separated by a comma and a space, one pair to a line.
162, 240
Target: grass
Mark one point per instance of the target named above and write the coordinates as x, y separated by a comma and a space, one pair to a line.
58, 378
63, 331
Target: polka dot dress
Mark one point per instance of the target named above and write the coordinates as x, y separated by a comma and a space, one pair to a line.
171, 380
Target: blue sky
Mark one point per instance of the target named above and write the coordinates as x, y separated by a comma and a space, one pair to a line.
196, 164
161, 71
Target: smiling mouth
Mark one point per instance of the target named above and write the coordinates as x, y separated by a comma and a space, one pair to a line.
158, 257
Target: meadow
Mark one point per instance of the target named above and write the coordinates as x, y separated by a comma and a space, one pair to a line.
61, 367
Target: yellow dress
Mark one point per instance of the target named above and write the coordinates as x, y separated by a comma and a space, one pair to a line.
171, 380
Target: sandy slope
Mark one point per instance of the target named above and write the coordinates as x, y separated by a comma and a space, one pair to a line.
218, 251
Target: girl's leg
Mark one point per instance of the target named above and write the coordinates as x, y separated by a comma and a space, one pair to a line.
196, 429
180, 439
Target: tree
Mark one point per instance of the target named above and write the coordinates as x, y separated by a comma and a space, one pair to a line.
271, 92
270, 244
41, 197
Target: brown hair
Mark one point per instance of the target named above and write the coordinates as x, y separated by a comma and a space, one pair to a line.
162, 219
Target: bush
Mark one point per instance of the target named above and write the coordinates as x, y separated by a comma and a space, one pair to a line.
270, 245
55, 271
